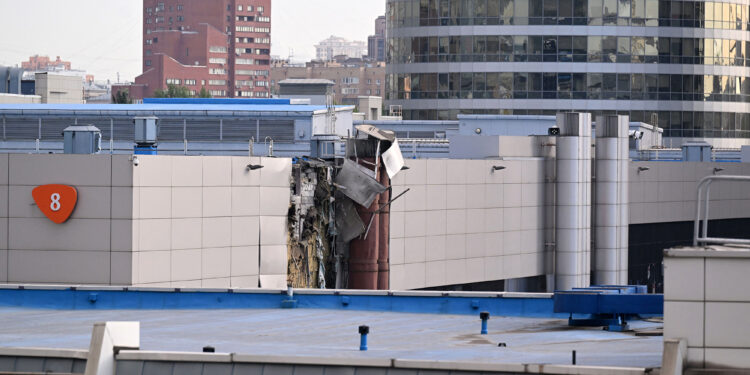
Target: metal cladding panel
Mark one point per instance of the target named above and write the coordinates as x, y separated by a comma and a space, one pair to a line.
52, 129
171, 130
278, 130
203, 130
21, 128
239, 130
220, 101
123, 130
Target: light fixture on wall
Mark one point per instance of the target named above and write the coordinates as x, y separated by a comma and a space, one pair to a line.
643, 169
717, 170
497, 168
252, 167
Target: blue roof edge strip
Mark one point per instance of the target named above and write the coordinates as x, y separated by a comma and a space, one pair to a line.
90, 299
222, 101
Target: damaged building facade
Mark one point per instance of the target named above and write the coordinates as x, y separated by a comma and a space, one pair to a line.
552, 204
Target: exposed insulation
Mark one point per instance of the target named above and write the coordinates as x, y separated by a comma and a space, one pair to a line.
311, 262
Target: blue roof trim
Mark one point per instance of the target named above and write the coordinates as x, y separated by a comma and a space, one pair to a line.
164, 107
69, 299
222, 101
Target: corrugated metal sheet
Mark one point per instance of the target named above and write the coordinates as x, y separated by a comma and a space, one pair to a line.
170, 129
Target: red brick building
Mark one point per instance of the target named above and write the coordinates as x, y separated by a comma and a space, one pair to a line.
43, 63
224, 46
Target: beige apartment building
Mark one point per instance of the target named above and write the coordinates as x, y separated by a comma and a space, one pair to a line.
352, 77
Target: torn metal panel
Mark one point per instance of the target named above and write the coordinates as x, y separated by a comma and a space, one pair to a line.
393, 160
358, 185
381, 134
348, 223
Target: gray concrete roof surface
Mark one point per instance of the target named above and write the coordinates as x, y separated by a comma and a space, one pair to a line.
333, 333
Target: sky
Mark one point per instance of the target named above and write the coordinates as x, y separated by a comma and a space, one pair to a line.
103, 37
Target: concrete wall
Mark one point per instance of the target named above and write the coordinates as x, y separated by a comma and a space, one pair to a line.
176, 221
666, 192
462, 223
92, 247
55, 88
20, 99
209, 222
706, 302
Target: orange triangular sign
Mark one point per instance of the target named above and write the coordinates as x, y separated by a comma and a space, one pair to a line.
55, 201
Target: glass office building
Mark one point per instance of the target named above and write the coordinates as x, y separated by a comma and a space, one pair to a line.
683, 64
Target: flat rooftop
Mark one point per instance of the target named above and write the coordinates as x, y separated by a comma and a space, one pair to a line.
406, 325
333, 334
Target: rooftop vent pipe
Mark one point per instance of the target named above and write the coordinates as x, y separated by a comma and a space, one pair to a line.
573, 206
611, 188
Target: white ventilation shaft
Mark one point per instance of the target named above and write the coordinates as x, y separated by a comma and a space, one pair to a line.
573, 205
611, 189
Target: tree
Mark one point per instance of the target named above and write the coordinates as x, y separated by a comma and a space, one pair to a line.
122, 97
173, 91
204, 93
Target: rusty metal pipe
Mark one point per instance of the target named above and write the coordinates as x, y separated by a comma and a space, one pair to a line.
363, 252
384, 233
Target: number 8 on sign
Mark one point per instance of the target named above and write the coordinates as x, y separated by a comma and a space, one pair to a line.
55, 204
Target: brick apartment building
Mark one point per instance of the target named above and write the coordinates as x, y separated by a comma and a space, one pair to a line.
351, 77
44, 63
223, 46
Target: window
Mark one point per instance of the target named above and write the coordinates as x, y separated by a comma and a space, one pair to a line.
369, 82
261, 83
217, 82
262, 73
190, 82
148, 20
349, 91
350, 80
148, 62
180, 18
149, 41
217, 71
239, 8
173, 81
179, 7
217, 49
249, 8
377, 82
217, 60
264, 19
217, 93
160, 7
260, 9
148, 52
244, 61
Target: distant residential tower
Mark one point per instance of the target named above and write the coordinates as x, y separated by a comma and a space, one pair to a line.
223, 47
